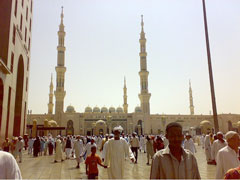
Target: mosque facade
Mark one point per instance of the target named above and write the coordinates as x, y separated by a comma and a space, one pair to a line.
96, 120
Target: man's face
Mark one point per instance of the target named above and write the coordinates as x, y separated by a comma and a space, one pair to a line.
116, 134
175, 136
220, 136
93, 150
234, 141
187, 137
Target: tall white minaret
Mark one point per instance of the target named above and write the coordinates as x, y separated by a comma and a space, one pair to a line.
60, 70
191, 99
125, 105
144, 96
50, 104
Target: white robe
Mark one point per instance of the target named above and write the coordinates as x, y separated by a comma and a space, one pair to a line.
116, 152
104, 150
8, 167
78, 148
189, 144
88, 148
207, 147
227, 158
59, 152
142, 144
216, 146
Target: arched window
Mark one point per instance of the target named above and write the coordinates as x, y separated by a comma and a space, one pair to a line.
70, 129
18, 97
1, 101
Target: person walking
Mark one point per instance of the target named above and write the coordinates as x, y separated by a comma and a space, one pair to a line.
117, 150
19, 147
227, 157
134, 146
78, 148
189, 144
91, 164
217, 145
36, 147
149, 148
6, 145
68, 147
59, 152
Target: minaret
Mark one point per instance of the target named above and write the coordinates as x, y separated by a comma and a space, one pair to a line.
191, 99
125, 105
50, 104
60, 70
144, 96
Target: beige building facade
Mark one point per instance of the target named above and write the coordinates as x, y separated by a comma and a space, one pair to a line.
15, 45
96, 120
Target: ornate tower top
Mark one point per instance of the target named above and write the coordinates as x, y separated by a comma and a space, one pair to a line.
191, 99
142, 30
125, 105
62, 15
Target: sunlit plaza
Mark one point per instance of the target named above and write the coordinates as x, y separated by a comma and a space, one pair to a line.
158, 75
43, 167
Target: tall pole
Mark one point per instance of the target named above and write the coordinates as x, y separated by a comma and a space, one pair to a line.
215, 118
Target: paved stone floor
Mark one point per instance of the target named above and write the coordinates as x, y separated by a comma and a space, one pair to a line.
43, 168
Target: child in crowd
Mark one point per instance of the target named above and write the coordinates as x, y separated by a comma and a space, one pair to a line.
91, 164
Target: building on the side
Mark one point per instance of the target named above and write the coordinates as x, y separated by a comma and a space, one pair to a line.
96, 120
15, 47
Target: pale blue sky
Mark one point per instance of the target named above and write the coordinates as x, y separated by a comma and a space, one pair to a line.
102, 46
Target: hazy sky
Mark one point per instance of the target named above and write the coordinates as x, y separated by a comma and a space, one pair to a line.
102, 46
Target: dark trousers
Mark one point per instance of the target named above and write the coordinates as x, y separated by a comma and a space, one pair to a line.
93, 176
135, 152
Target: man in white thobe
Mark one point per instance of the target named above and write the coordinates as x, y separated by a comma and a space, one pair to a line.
19, 147
59, 152
78, 148
227, 157
217, 145
189, 144
117, 150
207, 147
30, 146
142, 144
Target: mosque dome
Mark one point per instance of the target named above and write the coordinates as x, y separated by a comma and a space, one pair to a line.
205, 122
88, 109
119, 109
238, 123
104, 110
112, 110
101, 122
70, 109
96, 109
52, 122
138, 109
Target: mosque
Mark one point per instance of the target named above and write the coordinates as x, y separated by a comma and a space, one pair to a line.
102, 120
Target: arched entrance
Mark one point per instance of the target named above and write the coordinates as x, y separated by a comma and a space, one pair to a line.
1, 101
139, 127
18, 98
101, 128
70, 129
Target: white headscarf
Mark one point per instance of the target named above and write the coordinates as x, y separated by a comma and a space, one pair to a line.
118, 128
230, 134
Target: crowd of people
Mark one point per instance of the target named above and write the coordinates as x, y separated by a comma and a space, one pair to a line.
171, 156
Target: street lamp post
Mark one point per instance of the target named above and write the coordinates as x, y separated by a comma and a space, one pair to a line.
214, 107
